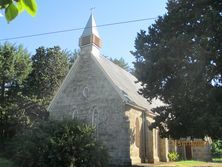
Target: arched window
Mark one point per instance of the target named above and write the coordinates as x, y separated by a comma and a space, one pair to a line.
95, 119
85, 92
74, 112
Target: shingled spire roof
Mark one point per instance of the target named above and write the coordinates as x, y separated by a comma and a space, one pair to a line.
90, 27
90, 34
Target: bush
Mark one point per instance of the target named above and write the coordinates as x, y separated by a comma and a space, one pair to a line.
63, 144
216, 148
173, 156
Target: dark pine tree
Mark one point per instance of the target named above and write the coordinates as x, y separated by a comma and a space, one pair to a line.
179, 61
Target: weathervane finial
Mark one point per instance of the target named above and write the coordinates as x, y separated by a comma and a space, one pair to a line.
92, 9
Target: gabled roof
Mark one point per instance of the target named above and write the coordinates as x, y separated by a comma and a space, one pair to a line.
90, 27
125, 83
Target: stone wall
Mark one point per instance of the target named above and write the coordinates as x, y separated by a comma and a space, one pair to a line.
202, 153
152, 145
163, 149
136, 134
199, 149
145, 144
88, 95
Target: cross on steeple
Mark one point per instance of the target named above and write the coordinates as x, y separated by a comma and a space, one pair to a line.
92, 9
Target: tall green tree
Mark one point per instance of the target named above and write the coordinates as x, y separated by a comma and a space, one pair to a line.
15, 65
50, 66
179, 61
72, 56
121, 63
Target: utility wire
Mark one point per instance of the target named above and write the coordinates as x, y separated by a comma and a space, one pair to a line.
75, 29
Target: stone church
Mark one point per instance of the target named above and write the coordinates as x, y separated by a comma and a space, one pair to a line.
104, 95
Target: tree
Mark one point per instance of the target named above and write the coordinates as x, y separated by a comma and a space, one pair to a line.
50, 66
18, 115
180, 62
15, 65
121, 63
72, 56
14, 7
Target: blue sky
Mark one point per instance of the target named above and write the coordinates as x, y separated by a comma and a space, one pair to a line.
118, 40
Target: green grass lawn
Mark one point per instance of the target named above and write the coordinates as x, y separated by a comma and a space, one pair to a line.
217, 159
5, 163
192, 163
189, 163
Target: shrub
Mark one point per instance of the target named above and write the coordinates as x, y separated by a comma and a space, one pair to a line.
173, 156
63, 144
216, 148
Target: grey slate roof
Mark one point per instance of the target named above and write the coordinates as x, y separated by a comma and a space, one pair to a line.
125, 84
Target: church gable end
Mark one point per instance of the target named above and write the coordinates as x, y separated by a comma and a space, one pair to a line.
88, 95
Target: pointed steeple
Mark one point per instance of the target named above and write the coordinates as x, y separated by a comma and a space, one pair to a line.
90, 35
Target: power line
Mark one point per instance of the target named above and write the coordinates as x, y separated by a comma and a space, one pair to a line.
75, 29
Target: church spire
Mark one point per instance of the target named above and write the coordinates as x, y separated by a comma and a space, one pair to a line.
90, 35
